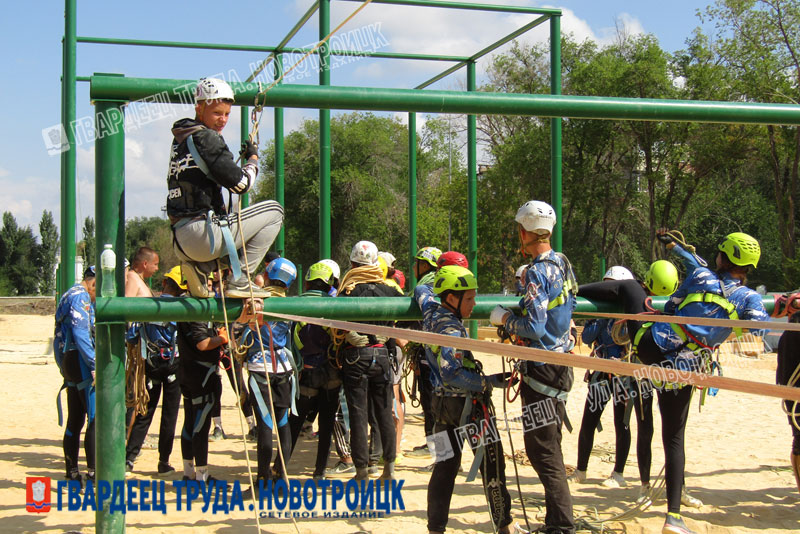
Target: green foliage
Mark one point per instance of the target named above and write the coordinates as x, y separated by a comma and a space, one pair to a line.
369, 187
18, 272
46, 253
88, 246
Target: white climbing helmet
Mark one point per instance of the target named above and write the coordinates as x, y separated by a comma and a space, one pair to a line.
618, 272
212, 89
364, 253
334, 267
388, 257
536, 216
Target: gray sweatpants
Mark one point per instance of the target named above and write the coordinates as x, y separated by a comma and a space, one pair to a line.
260, 225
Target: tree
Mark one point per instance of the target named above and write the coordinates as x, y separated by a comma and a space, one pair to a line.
89, 243
18, 262
369, 187
758, 40
46, 253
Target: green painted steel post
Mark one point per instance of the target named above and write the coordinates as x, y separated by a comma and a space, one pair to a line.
412, 199
110, 340
555, 131
244, 134
279, 161
324, 136
68, 163
472, 187
602, 266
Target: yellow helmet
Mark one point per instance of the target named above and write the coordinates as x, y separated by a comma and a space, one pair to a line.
741, 249
176, 276
661, 278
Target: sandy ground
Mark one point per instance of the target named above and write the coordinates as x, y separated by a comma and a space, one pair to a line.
737, 461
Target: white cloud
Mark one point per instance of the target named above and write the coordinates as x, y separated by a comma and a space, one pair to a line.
4, 172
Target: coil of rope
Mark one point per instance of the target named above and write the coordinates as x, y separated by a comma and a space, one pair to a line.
659, 251
136, 395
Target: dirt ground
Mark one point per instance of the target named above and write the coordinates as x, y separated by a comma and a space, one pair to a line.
737, 461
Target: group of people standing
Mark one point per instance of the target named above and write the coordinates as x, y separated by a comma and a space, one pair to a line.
294, 369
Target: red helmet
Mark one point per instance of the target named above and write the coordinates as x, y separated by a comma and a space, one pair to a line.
400, 278
451, 257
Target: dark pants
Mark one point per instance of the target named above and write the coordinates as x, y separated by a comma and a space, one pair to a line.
426, 397
322, 398
157, 379
543, 447
80, 407
674, 408
600, 392
197, 405
643, 405
448, 412
367, 378
267, 422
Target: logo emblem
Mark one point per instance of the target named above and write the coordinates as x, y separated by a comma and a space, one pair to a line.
37, 494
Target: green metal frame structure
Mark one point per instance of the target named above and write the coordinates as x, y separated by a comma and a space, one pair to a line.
111, 92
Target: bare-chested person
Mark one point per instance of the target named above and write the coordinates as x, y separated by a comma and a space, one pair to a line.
143, 266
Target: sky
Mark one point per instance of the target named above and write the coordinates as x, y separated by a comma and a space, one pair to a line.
31, 35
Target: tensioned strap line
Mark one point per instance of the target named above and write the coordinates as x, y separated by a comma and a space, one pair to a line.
558, 358
698, 321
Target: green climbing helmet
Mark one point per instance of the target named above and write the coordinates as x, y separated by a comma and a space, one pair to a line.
741, 249
429, 255
454, 278
661, 278
320, 271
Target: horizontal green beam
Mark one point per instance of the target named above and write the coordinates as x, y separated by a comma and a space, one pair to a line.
271, 49
494, 46
468, 6
383, 99
116, 310
120, 309
176, 44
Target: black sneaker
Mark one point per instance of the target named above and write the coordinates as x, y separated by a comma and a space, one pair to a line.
164, 469
252, 435
217, 435
128, 466
418, 452
341, 470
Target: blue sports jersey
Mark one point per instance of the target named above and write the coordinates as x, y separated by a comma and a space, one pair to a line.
280, 344
75, 326
451, 369
701, 279
598, 331
545, 281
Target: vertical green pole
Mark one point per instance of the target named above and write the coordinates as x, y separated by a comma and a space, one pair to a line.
110, 341
472, 187
602, 266
555, 131
244, 133
412, 198
279, 166
324, 136
68, 171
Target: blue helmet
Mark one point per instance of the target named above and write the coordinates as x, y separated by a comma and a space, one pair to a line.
283, 270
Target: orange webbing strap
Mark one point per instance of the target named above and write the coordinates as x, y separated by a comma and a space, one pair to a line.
558, 358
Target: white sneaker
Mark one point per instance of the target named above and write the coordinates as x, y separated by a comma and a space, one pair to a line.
644, 494
615, 480
688, 500
244, 292
577, 477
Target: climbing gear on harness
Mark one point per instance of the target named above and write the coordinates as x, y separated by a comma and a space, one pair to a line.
536, 216
713, 298
661, 278
741, 249
786, 305
212, 89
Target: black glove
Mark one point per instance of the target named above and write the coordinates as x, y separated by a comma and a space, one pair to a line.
664, 238
249, 149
